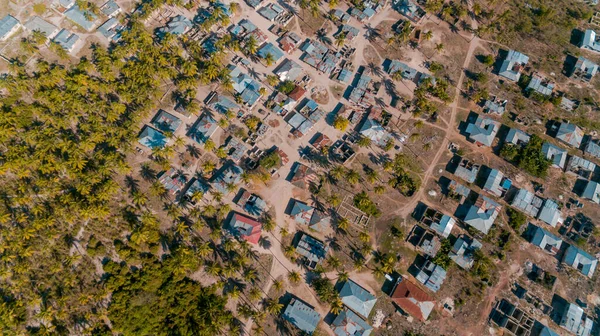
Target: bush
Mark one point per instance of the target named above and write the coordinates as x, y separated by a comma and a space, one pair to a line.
509, 152
488, 60
286, 86
516, 218
340, 123
324, 289
364, 204
270, 160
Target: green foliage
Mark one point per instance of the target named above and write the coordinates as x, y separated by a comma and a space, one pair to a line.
436, 67
158, 300
364, 203
488, 60
270, 160
402, 180
509, 152
252, 122
39, 8
340, 123
324, 289
516, 218
286, 86
442, 258
531, 158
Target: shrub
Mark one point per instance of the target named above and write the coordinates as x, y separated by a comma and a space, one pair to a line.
516, 218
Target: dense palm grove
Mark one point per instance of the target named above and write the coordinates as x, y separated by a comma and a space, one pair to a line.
64, 135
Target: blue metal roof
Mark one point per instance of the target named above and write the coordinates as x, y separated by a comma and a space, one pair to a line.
357, 298
203, 129
302, 316
66, 39
270, 48
166, 122
7, 24
347, 323
581, 260
76, 15
151, 138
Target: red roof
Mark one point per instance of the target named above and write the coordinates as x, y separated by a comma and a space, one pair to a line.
297, 93
412, 299
239, 222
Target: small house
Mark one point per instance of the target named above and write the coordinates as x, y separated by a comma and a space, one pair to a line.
438, 222
575, 320
288, 70
462, 251
315, 219
496, 183
525, 201
173, 180
36, 23
412, 300
550, 213
245, 228
482, 131
570, 134
431, 276
301, 315
270, 49
230, 175
203, 129
495, 105
580, 167
556, 155
373, 130
592, 192
110, 9
152, 138
512, 65
540, 85
592, 148
467, 170
482, 214
347, 323
166, 122
544, 239
8, 26
66, 39
517, 137
355, 297
584, 69
580, 260
83, 18
312, 250
590, 41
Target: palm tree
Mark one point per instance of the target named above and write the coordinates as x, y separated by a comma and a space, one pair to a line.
254, 294
278, 284
234, 8
340, 39
334, 262
333, 4
204, 250
250, 275
379, 189
273, 306
269, 59
208, 166
294, 277
364, 237
352, 176
251, 45
372, 176
364, 142
439, 47
343, 223
337, 306
337, 172
268, 224
139, 199
428, 35
213, 268
343, 276
289, 251
272, 80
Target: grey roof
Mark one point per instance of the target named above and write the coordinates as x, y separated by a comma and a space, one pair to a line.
197, 185
313, 249
467, 170
303, 316
462, 251
77, 15
546, 331
296, 120
66, 39
110, 8
302, 212
592, 148
581, 166
177, 26
7, 26
550, 213
590, 41
568, 104
527, 202
237, 148
165, 121
512, 65
230, 174
222, 103
244, 85
545, 240
585, 68
373, 130
592, 191
570, 134
495, 106
406, 71
540, 85
151, 138
574, 320
580, 260
173, 180
347, 323
110, 28
288, 70
444, 226
357, 298
482, 214
483, 130
271, 11
496, 183
557, 155
432, 276
36, 23
203, 129
273, 50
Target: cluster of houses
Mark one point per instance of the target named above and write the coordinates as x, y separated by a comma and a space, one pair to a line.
84, 19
